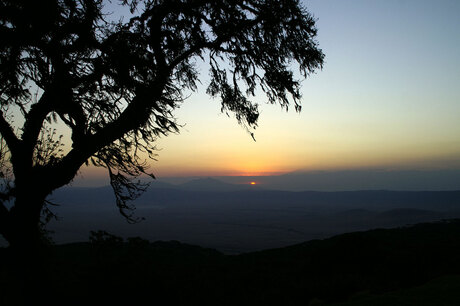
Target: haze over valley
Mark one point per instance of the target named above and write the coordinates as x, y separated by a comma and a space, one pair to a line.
236, 218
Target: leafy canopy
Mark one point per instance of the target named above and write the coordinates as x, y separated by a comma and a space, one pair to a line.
116, 83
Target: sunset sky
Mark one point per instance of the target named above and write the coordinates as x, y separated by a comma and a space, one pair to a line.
387, 98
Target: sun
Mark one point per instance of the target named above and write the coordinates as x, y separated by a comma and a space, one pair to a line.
253, 183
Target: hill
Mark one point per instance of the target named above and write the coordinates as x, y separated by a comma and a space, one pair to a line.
378, 265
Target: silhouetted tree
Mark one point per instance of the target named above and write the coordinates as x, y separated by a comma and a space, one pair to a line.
115, 84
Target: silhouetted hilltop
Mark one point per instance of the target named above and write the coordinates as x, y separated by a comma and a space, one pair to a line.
374, 261
352, 268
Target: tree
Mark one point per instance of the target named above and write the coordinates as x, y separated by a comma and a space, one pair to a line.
116, 83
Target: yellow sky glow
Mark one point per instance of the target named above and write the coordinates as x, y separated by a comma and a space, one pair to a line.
370, 107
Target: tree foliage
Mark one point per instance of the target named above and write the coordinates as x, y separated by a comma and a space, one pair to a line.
115, 83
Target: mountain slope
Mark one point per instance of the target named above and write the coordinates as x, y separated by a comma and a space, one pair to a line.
374, 265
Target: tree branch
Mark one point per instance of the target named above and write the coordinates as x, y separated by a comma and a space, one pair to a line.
33, 123
216, 43
8, 134
135, 115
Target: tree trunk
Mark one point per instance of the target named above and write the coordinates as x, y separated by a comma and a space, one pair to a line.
28, 265
23, 221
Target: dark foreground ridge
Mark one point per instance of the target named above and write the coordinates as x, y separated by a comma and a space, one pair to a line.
416, 265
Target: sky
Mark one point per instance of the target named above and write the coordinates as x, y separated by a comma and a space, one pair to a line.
388, 97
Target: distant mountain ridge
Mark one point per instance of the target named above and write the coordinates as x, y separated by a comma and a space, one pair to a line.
234, 219
210, 184
331, 180
348, 180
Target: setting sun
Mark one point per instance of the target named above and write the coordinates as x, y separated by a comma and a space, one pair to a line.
253, 183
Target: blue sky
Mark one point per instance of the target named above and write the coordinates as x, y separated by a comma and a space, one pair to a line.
387, 98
